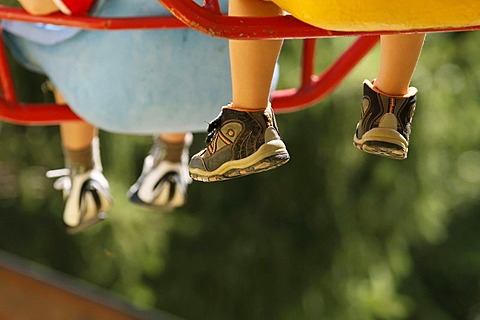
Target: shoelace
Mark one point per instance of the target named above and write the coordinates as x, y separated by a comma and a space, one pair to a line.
213, 128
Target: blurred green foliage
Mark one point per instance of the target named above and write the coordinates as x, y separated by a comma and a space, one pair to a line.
335, 234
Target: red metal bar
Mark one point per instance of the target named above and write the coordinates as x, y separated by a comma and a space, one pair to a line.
289, 100
94, 23
5, 75
308, 62
207, 19
35, 114
217, 24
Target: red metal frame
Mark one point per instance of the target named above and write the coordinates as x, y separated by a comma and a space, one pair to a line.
206, 18
217, 24
313, 88
93, 23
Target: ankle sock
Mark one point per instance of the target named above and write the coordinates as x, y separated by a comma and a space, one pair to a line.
173, 150
81, 158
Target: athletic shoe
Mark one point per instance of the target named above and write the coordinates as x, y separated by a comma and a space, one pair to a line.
87, 197
384, 127
164, 179
239, 143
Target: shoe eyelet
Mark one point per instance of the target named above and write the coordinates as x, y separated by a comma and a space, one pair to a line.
231, 133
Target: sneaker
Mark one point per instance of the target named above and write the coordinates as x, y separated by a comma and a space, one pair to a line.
384, 127
239, 143
164, 179
87, 197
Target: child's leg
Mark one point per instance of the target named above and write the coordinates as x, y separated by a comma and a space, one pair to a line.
77, 135
244, 138
164, 179
86, 191
389, 103
77, 140
253, 61
398, 58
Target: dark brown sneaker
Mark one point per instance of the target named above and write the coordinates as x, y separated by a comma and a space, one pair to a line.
239, 143
384, 127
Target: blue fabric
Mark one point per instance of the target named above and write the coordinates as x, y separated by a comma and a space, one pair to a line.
136, 81
47, 34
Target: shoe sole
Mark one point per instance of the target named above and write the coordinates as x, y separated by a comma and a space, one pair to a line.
135, 199
101, 216
269, 156
172, 201
383, 142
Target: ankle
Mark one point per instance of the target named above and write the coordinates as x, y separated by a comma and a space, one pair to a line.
393, 93
245, 109
81, 159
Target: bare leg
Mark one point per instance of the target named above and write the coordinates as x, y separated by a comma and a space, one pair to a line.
253, 61
77, 140
87, 194
75, 135
244, 138
398, 59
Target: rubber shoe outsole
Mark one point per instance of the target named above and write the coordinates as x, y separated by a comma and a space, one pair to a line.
267, 157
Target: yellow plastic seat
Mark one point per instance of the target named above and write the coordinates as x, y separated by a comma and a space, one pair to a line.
378, 15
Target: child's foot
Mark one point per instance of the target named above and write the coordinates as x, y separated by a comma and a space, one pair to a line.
384, 127
164, 179
239, 143
87, 197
